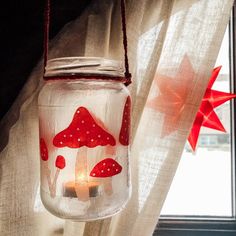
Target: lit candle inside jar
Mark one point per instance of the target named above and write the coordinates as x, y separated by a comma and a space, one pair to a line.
82, 189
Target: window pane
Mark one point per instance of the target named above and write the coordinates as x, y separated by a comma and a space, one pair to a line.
202, 184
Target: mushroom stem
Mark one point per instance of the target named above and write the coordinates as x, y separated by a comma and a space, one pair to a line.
81, 175
47, 172
108, 186
54, 183
110, 151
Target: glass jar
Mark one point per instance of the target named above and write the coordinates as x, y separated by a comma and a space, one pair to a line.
84, 127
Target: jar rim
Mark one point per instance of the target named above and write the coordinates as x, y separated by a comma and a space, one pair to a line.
65, 66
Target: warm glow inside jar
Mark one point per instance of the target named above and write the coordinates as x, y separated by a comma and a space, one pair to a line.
84, 128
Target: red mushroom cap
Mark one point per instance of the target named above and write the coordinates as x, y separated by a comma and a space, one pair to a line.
60, 162
43, 150
83, 131
106, 168
125, 127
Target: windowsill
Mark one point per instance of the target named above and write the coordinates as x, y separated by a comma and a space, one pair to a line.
196, 226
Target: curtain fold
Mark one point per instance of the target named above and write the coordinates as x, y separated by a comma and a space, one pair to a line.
172, 49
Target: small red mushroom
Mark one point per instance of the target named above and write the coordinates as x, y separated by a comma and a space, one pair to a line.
60, 162
106, 168
125, 127
43, 150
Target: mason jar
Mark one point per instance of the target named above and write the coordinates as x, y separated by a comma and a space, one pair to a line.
84, 127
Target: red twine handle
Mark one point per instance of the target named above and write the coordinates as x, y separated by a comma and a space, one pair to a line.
125, 44
46, 32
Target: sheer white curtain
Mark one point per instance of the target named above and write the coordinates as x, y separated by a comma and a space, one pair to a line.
173, 46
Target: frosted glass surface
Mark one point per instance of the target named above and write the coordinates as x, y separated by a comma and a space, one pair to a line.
74, 112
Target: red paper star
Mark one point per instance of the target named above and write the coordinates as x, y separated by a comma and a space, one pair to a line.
172, 96
206, 115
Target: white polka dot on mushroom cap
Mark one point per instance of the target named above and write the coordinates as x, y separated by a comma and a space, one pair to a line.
108, 169
113, 164
93, 125
64, 135
82, 121
94, 174
70, 135
104, 164
102, 171
87, 132
61, 142
116, 170
77, 129
99, 136
92, 140
78, 112
108, 138
78, 139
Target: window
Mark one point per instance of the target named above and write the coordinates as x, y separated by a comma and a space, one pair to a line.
201, 200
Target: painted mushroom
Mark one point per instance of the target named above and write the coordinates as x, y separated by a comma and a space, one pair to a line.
60, 163
83, 131
44, 158
125, 127
106, 169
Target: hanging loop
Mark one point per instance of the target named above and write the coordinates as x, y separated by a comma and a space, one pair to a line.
47, 15
125, 42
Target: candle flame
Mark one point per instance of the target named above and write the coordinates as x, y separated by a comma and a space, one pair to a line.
81, 177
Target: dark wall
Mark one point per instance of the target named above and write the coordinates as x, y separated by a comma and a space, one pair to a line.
21, 30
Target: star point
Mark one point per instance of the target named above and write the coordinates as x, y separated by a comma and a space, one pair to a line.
206, 115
